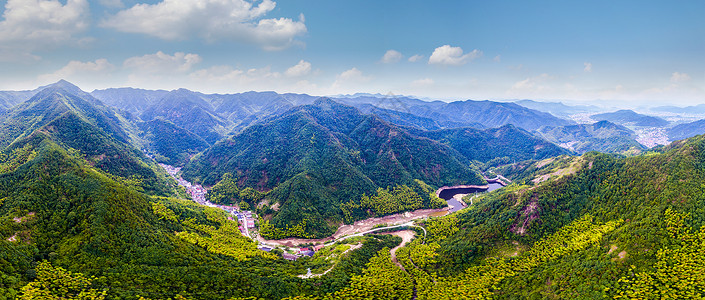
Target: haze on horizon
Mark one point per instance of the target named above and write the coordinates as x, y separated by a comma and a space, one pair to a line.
639, 52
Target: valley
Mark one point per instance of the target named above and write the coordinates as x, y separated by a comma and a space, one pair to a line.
318, 200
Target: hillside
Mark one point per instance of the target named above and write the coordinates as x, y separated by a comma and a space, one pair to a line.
190, 111
602, 136
57, 209
506, 141
323, 155
132, 100
684, 131
695, 109
170, 143
649, 202
84, 125
600, 227
630, 118
488, 113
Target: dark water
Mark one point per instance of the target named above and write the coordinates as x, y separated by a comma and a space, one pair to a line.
448, 194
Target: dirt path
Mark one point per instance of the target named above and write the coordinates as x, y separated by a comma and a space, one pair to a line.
309, 275
406, 237
360, 226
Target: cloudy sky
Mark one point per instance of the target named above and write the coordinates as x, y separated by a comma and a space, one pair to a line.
634, 51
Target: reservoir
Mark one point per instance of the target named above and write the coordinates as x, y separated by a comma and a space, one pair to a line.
453, 194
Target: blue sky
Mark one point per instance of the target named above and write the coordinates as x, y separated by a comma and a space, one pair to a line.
641, 52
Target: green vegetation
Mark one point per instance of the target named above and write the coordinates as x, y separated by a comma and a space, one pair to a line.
314, 158
170, 143
602, 136
81, 215
506, 141
57, 283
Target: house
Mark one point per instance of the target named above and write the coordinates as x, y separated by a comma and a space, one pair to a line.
267, 249
308, 253
250, 223
288, 256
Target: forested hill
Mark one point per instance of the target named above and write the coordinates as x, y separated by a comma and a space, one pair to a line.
629, 117
603, 136
56, 210
508, 141
604, 227
320, 156
79, 122
682, 131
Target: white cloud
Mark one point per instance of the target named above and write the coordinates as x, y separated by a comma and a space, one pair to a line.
422, 82
211, 20
352, 77
447, 55
416, 58
588, 67
32, 24
74, 68
391, 56
531, 86
679, 77
161, 62
112, 3
497, 58
301, 69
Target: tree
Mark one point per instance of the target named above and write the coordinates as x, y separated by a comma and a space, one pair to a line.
58, 283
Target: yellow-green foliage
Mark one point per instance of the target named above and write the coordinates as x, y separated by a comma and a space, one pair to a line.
441, 228
58, 283
436, 202
382, 279
163, 212
250, 195
385, 202
478, 282
225, 191
679, 272
413, 257
268, 230
226, 239
10, 161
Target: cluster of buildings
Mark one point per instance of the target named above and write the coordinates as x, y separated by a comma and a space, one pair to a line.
246, 220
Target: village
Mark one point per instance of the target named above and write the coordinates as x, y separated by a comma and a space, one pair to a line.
246, 219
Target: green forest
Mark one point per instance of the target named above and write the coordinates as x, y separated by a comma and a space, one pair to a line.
85, 214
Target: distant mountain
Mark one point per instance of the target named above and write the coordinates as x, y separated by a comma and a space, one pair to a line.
602, 136
506, 141
630, 118
557, 108
8, 99
684, 131
191, 111
402, 118
488, 113
697, 109
132, 100
323, 155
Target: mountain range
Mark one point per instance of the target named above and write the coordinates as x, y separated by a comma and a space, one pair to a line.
86, 212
